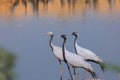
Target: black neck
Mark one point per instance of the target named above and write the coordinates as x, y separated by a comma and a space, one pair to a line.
63, 50
75, 40
50, 42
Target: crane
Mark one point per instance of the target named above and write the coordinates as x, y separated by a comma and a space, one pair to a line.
57, 51
76, 61
86, 53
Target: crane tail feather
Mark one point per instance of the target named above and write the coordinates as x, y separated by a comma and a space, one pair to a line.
94, 75
102, 64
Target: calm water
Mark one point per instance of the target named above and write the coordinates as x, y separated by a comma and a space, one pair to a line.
23, 23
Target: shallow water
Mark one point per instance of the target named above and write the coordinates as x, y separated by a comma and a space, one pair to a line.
23, 25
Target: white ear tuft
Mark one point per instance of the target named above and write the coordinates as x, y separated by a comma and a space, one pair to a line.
49, 33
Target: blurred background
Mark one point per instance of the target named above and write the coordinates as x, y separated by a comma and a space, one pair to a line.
25, 53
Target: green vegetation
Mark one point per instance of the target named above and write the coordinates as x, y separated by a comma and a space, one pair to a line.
7, 63
113, 67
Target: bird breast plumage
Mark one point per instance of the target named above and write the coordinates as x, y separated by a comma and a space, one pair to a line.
58, 52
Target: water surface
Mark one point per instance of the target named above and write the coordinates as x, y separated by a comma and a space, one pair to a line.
23, 22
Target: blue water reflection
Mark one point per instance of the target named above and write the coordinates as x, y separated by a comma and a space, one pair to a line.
98, 32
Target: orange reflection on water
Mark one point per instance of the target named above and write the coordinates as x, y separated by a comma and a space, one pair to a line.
60, 8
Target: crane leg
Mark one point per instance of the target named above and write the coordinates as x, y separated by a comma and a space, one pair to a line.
60, 69
69, 71
83, 75
76, 74
74, 77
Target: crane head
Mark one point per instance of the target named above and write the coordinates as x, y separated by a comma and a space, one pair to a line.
49, 33
63, 36
75, 34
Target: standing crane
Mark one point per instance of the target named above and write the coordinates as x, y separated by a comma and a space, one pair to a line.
76, 61
87, 54
57, 51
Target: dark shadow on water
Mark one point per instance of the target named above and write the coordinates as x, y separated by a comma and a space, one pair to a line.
73, 5
95, 4
17, 3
